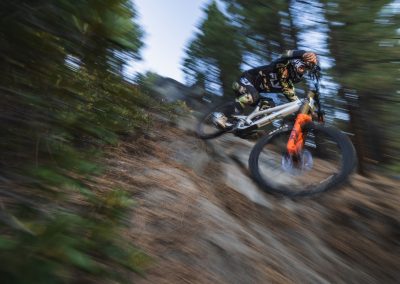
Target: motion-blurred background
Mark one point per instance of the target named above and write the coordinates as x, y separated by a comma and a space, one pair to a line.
69, 98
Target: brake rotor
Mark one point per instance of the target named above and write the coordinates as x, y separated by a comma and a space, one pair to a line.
299, 164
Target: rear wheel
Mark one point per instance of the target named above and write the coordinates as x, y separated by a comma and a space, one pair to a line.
326, 161
206, 128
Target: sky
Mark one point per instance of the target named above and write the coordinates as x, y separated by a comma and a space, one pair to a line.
168, 26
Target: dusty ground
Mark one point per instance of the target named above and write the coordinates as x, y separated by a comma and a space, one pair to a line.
202, 220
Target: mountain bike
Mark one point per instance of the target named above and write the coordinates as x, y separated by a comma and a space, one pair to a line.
301, 157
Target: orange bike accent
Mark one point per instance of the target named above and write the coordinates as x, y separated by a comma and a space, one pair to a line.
296, 141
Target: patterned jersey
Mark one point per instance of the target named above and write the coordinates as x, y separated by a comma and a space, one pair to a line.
276, 76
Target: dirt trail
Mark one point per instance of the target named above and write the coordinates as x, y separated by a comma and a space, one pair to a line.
202, 219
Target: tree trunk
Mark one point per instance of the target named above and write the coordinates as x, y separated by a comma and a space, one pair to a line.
356, 126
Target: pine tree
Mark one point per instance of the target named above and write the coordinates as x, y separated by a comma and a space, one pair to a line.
363, 43
64, 98
266, 26
214, 52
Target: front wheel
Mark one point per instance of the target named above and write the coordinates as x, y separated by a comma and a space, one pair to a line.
206, 129
327, 159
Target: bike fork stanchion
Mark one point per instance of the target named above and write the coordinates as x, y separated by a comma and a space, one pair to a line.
296, 139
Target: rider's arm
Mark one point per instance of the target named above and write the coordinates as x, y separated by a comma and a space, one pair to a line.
287, 86
293, 54
288, 90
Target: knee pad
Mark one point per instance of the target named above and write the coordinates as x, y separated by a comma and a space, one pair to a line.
245, 99
246, 92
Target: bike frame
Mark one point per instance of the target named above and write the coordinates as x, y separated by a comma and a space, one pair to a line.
273, 113
300, 106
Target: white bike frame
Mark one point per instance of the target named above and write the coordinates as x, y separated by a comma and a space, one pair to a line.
273, 113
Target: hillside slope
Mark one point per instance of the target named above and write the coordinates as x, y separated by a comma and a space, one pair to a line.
202, 220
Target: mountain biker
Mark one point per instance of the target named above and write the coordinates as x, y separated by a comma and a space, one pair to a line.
278, 76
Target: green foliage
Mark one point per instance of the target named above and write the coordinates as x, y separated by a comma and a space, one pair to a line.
56, 249
369, 66
173, 110
267, 27
214, 54
63, 99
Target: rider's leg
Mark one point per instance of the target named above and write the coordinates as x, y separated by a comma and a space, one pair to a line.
246, 95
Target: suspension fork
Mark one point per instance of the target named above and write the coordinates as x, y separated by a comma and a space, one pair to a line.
296, 139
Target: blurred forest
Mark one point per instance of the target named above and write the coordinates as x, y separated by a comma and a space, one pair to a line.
358, 43
65, 99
